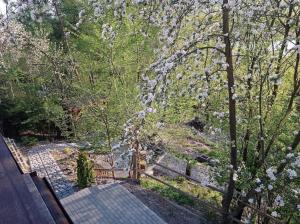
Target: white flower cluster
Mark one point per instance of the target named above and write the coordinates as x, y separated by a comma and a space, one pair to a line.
108, 33
119, 8
259, 188
291, 173
219, 115
279, 201
251, 200
275, 79
275, 214
235, 176
80, 15
290, 155
296, 163
271, 173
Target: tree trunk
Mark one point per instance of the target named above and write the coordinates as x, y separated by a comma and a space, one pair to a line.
232, 115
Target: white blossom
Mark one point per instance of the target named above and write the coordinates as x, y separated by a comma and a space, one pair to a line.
275, 214
179, 76
259, 189
151, 110
271, 173
291, 173
235, 176
160, 125
289, 155
297, 162
279, 201
141, 114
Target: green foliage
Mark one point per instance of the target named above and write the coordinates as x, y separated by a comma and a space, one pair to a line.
29, 140
167, 192
85, 174
184, 185
61, 67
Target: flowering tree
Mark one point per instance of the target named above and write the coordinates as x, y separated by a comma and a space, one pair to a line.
247, 62
237, 60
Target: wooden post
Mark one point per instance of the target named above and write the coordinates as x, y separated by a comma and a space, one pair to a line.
136, 162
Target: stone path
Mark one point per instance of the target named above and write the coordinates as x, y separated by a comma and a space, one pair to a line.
44, 164
108, 204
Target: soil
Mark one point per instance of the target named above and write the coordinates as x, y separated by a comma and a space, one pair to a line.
67, 161
197, 124
169, 211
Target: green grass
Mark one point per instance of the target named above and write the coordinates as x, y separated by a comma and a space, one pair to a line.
176, 138
167, 192
184, 185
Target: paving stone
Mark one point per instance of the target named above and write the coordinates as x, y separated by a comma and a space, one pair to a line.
44, 164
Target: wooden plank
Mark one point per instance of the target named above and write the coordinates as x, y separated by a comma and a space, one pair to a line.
56, 209
16, 202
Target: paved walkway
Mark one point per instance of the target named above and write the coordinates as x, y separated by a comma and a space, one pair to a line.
44, 164
108, 204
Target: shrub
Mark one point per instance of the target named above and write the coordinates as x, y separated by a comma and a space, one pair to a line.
29, 140
85, 174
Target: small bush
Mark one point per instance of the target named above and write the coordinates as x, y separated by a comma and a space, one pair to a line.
85, 174
29, 140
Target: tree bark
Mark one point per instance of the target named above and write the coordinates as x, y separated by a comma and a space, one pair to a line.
232, 114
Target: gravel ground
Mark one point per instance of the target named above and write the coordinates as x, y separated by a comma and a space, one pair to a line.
169, 211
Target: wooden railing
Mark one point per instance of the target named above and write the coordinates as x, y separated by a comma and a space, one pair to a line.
103, 173
209, 205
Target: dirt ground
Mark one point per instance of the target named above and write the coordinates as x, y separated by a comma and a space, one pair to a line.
167, 210
67, 161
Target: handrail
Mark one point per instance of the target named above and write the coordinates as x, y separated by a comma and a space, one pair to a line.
190, 178
215, 189
12, 155
191, 196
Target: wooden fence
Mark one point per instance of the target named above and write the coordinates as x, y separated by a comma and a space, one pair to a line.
209, 205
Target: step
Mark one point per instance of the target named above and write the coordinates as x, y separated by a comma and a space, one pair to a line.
38, 200
108, 204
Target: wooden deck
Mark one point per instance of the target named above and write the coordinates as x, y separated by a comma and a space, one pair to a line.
108, 204
20, 201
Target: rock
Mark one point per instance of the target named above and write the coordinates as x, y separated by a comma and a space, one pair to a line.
171, 162
203, 174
